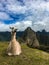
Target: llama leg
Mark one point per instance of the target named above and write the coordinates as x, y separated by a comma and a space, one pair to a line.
9, 50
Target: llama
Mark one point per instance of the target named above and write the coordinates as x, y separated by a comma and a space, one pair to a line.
14, 47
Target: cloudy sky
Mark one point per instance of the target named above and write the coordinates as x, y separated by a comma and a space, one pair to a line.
24, 13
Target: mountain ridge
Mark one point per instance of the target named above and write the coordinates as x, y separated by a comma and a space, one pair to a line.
43, 37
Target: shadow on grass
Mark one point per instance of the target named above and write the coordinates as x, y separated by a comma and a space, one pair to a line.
44, 48
41, 47
4, 53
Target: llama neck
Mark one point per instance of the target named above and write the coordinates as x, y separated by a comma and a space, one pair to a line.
13, 37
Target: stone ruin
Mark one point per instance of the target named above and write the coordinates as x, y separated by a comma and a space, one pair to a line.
14, 47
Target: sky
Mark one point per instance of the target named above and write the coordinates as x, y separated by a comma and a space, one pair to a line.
24, 13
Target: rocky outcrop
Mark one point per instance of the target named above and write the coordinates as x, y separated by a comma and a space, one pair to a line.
29, 36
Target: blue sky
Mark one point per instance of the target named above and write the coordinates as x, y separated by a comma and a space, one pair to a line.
24, 13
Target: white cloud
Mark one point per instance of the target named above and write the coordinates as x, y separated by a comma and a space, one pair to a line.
21, 26
36, 12
44, 24
16, 8
40, 23
4, 27
4, 16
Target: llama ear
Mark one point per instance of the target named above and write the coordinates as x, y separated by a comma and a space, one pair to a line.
16, 29
12, 28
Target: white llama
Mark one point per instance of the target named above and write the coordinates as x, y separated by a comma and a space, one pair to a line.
14, 47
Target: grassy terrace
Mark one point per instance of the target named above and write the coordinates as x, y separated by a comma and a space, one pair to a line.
29, 56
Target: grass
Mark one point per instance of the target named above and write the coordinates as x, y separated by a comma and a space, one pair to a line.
29, 56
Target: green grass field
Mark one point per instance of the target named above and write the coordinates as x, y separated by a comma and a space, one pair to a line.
29, 56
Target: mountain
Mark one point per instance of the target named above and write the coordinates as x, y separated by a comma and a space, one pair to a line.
5, 36
43, 36
29, 36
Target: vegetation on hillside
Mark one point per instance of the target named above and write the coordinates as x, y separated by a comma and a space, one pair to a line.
43, 36
29, 56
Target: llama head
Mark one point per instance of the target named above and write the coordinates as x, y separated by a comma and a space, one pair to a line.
13, 30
